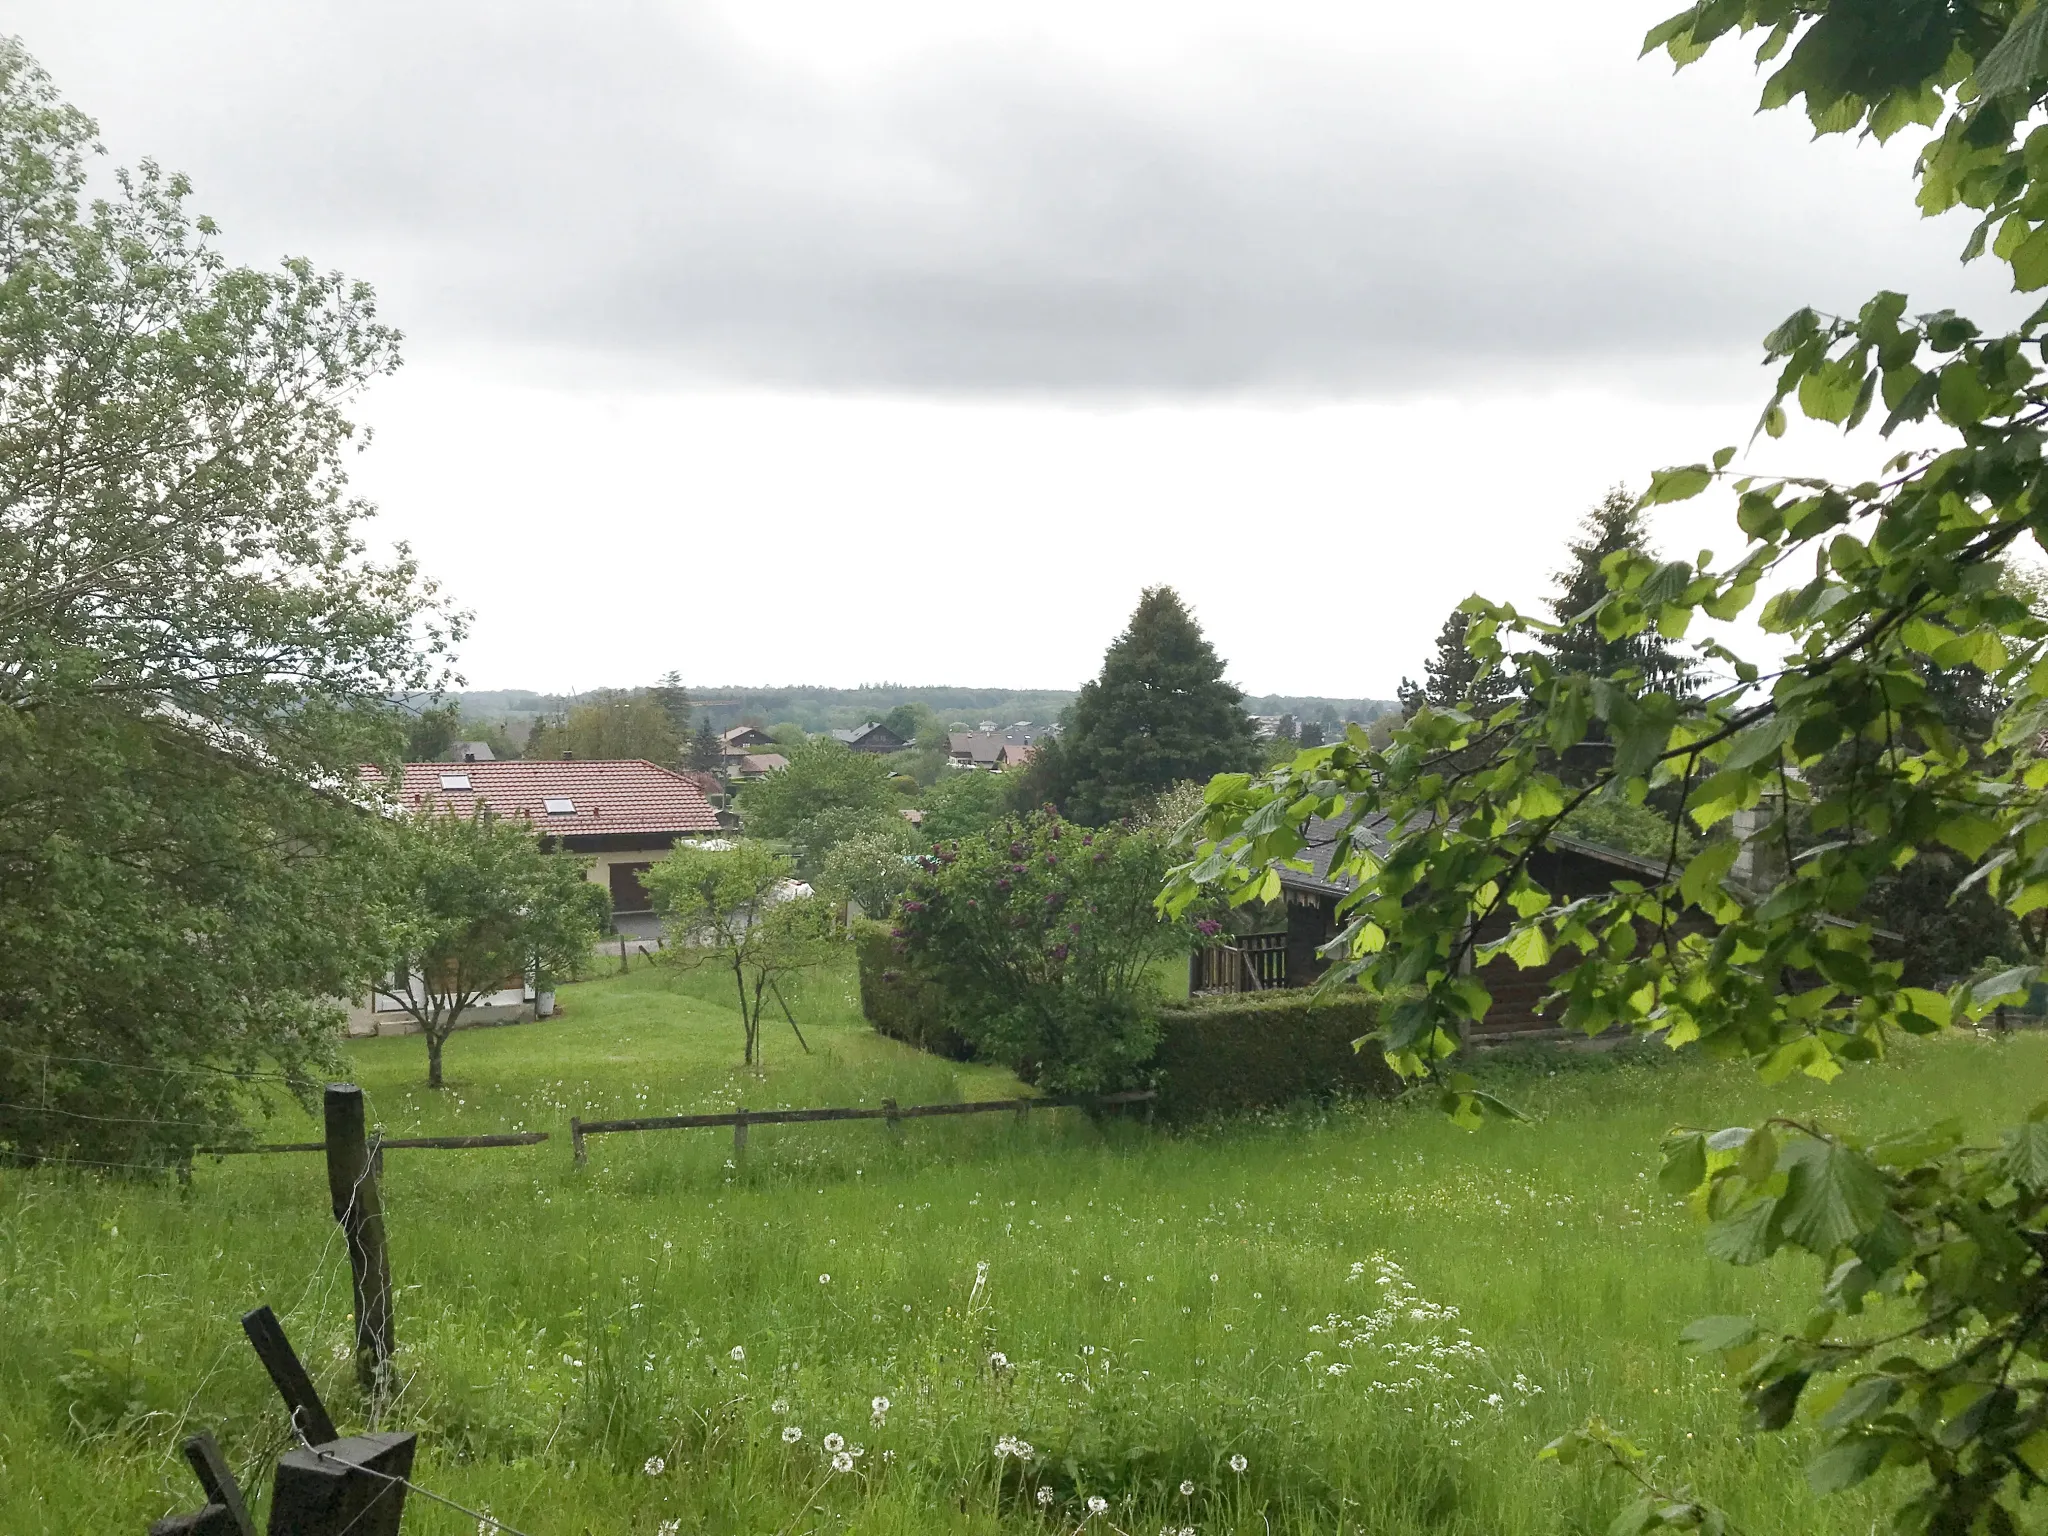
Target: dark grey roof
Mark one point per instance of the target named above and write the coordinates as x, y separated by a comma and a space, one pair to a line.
1323, 841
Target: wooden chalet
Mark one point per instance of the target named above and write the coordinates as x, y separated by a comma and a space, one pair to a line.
1290, 956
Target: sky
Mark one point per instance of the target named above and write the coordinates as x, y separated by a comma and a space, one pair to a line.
794, 341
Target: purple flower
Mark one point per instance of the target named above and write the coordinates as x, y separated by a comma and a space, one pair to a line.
1088, 841
913, 906
1208, 928
1059, 951
899, 933
1052, 860
1074, 928
1016, 850
1054, 899
972, 902
1002, 885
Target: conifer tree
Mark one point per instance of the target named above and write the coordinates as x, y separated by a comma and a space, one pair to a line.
1613, 525
1451, 677
1159, 714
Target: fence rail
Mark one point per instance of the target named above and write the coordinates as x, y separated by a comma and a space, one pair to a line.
889, 1110
443, 1143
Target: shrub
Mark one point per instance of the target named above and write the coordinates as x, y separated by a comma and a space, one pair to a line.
1256, 1050
900, 1000
1044, 935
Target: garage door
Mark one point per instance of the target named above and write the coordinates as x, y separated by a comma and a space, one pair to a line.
628, 894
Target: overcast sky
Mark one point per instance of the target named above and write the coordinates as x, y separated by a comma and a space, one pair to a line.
833, 342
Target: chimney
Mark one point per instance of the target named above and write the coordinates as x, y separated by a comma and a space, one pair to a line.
568, 757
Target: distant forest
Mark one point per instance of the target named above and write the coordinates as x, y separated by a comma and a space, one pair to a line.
825, 709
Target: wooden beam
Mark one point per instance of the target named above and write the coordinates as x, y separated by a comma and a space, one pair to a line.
309, 1414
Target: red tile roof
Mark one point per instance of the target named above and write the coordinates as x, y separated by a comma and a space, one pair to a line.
616, 796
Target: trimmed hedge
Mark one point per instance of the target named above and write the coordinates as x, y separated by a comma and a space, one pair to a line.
1216, 1055
1259, 1050
900, 1000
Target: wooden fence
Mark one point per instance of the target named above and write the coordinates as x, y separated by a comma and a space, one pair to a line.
889, 1110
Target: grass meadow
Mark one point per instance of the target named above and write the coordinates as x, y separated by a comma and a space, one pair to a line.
1384, 1317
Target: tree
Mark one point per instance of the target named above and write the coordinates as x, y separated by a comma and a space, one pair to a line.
734, 908
472, 906
610, 725
430, 734
674, 700
872, 868
1949, 1240
1453, 678
963, 803
706, 751
1044, 937
1612, 529
1160, 712
195, 655
826, 795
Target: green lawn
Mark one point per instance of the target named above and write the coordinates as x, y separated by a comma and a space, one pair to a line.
1163, 1303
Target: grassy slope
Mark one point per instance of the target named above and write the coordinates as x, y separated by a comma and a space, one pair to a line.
1155, 1297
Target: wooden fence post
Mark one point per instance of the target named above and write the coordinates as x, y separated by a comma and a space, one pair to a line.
895, 1121
352, 1184
576, 1140
739, 1133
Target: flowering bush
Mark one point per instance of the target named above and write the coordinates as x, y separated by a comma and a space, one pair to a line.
1043, 935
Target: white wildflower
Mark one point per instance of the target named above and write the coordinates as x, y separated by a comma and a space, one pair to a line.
669, 1528
888, 1455
1097, 1504
779, 1407
824, 1279
1187, 1488
1044, 1496
998, 1361
1336, 1368
842, 1462
739, 1352
835, 1442
1238, 1464
791, 1434
654, 1466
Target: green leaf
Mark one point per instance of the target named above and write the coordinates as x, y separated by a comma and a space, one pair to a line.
1833, 1194
2026, 1154
1717, 1335
1862, 1402
2013, 64
1969, 834
1685, 1163
1745, 1237
1846, 1463
1961, 394
1679, 484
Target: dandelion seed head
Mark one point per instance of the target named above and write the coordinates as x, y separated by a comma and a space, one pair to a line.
1238, 1464
779, 1406
842, 1462
739, 1352
654, 1466
835, 1442
791, 1434
1097, 1504
824, 1279
1187, 1488
1044, 1496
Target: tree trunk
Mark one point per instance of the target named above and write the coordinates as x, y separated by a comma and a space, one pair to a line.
435, 1040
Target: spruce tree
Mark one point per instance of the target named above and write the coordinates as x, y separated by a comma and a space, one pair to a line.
1159, 714
1615, 524
1451, 677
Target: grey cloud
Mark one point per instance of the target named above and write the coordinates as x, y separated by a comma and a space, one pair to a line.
625, 189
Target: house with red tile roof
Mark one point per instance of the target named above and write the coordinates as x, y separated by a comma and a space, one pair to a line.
618, 817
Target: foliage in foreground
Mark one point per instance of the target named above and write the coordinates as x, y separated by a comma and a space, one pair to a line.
1905, 578
1042, 936
195, 655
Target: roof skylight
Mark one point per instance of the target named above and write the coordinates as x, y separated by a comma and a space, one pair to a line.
455, 781
556, 807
